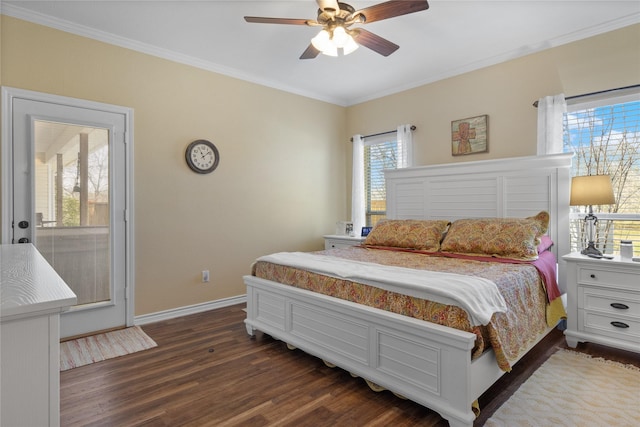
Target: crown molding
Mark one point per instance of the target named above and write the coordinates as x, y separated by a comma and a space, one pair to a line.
102, 36
508, 56
109, 38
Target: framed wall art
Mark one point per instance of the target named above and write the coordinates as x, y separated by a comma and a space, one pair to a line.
470, 136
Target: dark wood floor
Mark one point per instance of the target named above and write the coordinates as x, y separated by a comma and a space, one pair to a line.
206, 371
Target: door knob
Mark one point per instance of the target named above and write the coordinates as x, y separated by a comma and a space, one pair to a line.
23, 224
23, 240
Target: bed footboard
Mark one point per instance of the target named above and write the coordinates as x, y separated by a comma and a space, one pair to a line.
425, 362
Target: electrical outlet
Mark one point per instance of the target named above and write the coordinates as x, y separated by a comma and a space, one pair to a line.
205, 276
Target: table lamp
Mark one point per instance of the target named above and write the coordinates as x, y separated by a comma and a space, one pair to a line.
588, 191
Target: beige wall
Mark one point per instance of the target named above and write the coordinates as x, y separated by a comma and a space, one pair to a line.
284, 176
505, 92
280, 184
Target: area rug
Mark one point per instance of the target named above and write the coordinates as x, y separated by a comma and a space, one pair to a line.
96, 348
573, 389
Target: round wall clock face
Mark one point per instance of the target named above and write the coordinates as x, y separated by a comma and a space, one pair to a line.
202, 156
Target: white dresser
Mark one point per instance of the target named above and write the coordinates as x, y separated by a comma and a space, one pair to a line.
603, 302
332, 241
32, 296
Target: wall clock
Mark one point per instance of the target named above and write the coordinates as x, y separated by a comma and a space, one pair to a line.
202, 156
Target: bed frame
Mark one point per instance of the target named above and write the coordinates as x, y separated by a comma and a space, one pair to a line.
422, 361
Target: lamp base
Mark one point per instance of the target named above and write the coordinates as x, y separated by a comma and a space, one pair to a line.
591, 250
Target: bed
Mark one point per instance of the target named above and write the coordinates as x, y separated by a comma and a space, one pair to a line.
441, 367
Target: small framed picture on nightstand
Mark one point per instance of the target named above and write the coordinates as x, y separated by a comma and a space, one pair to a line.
344, 228
365, 231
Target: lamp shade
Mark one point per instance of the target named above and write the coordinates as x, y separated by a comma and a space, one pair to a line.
321, 41
591, 190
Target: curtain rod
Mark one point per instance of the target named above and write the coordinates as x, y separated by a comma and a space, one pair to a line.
535, 104
413, 127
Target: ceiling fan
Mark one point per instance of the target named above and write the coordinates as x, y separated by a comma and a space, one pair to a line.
336, 18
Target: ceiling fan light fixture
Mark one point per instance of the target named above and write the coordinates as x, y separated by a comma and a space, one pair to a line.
321, 41
340, 37
350, 46
329, 43
336, 19
330, 50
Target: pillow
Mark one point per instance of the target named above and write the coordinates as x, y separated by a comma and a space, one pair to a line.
512, 238
424, 235
545, 243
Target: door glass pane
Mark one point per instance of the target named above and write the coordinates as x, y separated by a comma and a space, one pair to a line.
72, 206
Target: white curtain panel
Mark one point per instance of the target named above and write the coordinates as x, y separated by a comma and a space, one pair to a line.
405, 146
357, 185
550, 114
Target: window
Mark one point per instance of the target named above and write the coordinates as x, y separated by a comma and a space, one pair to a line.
380, 152
604, 134
377, 158
373, 154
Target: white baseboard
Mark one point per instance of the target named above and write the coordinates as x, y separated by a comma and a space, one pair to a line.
190, 309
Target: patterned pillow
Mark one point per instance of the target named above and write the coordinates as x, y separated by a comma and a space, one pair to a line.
545, 244
513, 238
424, 235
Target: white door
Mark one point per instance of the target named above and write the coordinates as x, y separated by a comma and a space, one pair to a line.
68, 194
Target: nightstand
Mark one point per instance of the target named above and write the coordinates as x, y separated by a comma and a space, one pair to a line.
333, 241
603, 302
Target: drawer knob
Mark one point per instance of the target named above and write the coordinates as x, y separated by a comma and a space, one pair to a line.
619, 324
593, 276
619, 306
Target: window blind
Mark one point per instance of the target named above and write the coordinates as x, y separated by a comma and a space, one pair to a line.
380, 152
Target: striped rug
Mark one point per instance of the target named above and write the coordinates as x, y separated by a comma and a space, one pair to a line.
573, 389
96, 348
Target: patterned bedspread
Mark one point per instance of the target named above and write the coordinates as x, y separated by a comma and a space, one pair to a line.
509, 333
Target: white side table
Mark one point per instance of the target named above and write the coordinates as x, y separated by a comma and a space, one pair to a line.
603, 302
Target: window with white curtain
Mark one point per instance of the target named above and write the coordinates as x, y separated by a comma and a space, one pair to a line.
604, 134
380, 152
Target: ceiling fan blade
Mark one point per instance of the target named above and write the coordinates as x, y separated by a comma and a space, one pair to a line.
391, 9
310, 53
289, 21
374, 42
328, 5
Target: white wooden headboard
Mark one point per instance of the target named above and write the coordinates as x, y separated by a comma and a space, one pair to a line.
513, 187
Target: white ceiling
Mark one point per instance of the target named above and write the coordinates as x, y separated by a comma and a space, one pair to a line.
450, 38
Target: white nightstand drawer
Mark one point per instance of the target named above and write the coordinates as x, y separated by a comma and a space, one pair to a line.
605, 277
337, 241
609, 301
610, 326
